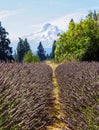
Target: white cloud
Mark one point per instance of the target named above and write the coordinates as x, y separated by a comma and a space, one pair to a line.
63, 22
14, 36
37, 27
55, 3
6, 13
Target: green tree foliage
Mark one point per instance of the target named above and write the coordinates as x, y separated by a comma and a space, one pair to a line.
22, 48
5, 49
98, 16
29, 57
80, 42
41, 52
92, 47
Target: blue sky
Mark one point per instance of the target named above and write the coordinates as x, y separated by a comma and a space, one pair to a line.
21, 17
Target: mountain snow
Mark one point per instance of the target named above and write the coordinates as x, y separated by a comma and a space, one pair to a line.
46, 35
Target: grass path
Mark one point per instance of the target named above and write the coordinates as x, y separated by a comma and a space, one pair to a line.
58, 123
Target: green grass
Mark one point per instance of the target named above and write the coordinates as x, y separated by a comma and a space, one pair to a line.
90, 118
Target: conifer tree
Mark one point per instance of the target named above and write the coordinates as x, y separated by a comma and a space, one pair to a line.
20, 50
41, 52
53, 50
26, 46
5, 50
23, 47
95, 15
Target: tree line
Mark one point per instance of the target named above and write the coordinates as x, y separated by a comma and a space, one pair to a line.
5, 49
81, 41
23, 52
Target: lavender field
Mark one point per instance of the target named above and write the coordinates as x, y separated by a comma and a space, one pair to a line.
26, 96
79, 94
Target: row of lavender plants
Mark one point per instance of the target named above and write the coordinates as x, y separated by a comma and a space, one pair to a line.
79, 94
26, 96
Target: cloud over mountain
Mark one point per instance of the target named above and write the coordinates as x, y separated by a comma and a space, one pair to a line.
47, 34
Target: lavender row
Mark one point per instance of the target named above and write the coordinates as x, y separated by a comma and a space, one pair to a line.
79, 94
26, 96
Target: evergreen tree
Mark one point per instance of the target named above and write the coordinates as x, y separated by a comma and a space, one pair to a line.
41, 52
90, 15
71, 24
5, 50
53, 50
15, 55
95, 15
26, 46
20, 50
23, 47
72, 20
98, 17
48, 56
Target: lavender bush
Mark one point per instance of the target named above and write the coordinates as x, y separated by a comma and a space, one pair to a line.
79, 94
26, 96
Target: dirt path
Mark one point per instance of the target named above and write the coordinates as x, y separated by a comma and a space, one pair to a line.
58, 124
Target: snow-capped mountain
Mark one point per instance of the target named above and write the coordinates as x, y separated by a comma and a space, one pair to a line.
46, 35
